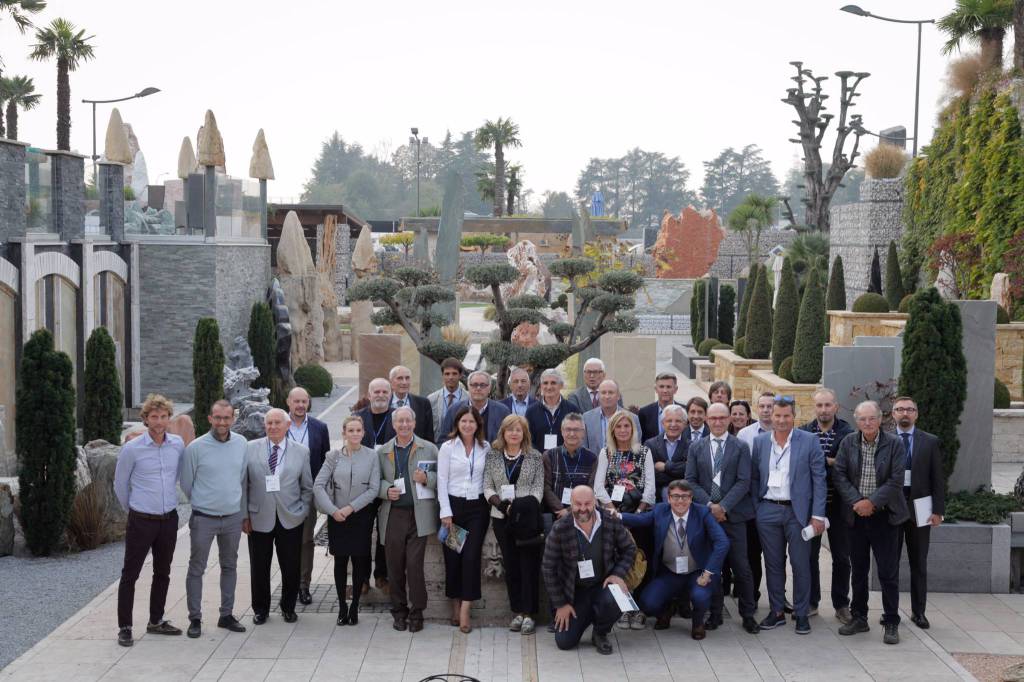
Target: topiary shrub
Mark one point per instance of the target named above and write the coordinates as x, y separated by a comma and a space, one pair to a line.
786, 369
726, 312
1001, 400
893, 278
759, 320
315, 379
875, 276
207, 372
45, 429
905, 303
740, 347
835, 297
1002, 317
810, 334
870, 303
748, 290
261, 338
784, 321
102, 411
706, 345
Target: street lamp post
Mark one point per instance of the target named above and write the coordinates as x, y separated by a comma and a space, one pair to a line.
860, 12
415, 139
141, 93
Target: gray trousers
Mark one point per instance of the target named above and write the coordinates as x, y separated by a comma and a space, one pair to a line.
306, 557
203, 529
779, 531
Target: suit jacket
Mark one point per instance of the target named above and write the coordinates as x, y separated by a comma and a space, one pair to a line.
291, 504
675, 466
540, 421
424, 415
648, 416
807, 487
581, 399
319, 439
594, 439
890, 461
708, 542
387, 430
437, 401
507, 402
561, 552
735, 476
926, 473
427, 510
493, 416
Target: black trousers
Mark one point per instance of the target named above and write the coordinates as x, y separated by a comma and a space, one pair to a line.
360, 574
875, 535
288, 542
839, 545
741, 574
754, 558
143, 535
462, 570
593, 605
917, 540
522, 570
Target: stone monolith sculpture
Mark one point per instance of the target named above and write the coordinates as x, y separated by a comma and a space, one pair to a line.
301, 286
364, 264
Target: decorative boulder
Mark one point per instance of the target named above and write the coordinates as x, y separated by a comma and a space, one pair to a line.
301, 284
102, 459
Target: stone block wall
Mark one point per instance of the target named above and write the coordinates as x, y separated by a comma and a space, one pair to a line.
1010, 357
68, 194
764, 380
735, 370
732, 252
243, 276
1008, 436
844, 326
12, 189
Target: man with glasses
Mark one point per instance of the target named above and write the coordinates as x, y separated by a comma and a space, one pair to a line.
869, 478
923, 478
788, 485
586, 396
545, 416
401, 383
668, 450
492, 411
566, 467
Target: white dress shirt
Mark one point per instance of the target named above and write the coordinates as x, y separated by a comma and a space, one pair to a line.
748, 433
300, 433
778, 459
459, 474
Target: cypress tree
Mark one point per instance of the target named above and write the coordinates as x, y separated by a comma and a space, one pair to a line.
726, 313
102, 413
697, 312
893, 278
835, 299
810, 333
748, 290
758, 344
45, 427
261, 342
784, 321
875, 278
934, 369
207, 372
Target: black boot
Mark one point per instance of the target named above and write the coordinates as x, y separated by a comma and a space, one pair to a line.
342, 614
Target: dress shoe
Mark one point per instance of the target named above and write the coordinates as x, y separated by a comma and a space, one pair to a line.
601, 643
289, 616
305, 597
195, 628
124, 637
855, 626
772, 621
343, 614
713, 623
259, 619
162, 628
920, 621
380, 583
843, 615
664, 621
415, 625
400, 624
698, 632
231, 623
803, 625
787, 607
750, 625
892, 634
353, 615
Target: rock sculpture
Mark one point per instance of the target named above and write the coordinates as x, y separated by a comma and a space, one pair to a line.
139, 180
102, 460
115, 145
209, 143
260, 165
534, 277
687, 244
187, 163
301, 285
252, 403
282, 332
364, 264
1001, 290
326, 263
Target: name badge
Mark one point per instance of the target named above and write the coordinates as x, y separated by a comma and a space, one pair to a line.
775, 478
566, 496
682, 564
400, 484
618, 492
550, 441
906, 478
274, 483
586, 569
718, 479
508, 492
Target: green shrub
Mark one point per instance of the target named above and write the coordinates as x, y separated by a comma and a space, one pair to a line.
875, 276
103, 402
870, 303
905, 303
722, 346
784, 322
697, 312
45, 430
810, 334
981, 507
262, 341
893, 278
1002, 317
726, 312
315, 379
748, 290
1002, 396
207, 372
706, 345
786, 369
759, 319
740, 347
835, 297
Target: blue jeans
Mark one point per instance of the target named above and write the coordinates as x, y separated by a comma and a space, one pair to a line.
666, 586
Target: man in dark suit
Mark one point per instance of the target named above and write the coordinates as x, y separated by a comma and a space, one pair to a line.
378, 430
869, 478
401, 382
689, 548
718, 470
696, 412
668, 449
545, 416
586, 397
313, 434
665, 385
926, 478
520, 397
493, 412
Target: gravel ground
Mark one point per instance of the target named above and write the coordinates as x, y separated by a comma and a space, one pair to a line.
987, 667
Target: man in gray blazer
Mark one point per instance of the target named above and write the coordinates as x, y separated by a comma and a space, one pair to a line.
718, 469
452, 392
596, 420
277, 494
788, 485
585, 397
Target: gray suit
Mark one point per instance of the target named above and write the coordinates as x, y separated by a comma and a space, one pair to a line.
438, 409
594, 440
581, 399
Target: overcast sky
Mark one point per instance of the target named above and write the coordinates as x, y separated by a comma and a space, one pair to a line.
581, 79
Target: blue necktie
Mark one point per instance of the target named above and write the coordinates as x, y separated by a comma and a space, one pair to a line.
906, 446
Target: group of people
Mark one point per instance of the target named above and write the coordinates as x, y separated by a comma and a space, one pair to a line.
680, 504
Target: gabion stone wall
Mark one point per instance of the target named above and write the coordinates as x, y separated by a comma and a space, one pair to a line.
857, 228
732, 253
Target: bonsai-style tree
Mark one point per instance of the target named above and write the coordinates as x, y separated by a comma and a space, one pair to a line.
875, 276
45, 427
758, 337
835, 298
102, 414
484, 242
726, 313
261, 343
810, 333
893, 278
934, 369
784, 323
403, 239
207, 372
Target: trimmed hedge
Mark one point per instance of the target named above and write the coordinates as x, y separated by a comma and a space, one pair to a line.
207, 372
1001, 400
835, 297
706, 345
748, 290
740, 347
315, 379
784, 322
871, 303
905, 304
759, 319
726, 313
893, 278
103, 411
786, 369
698, 312
810, 333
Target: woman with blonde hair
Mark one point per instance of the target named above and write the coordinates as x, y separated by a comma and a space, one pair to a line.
514, 486
345, 489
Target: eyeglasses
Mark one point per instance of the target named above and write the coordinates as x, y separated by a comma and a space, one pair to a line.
904, 409
679, 498
571, 429
785, 400
478, 385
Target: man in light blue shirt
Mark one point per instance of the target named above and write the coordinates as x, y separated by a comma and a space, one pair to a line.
146, 485
212, 475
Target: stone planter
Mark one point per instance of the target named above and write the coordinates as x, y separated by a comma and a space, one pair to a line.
1010, 357
704, 373
845, 325
1008, 436
764, 380
735, 370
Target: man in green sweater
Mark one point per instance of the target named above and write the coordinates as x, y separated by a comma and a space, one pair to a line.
212, 472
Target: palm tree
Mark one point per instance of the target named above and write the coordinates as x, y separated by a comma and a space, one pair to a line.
499, 134
750, 218
981, 21
71, 47
18, 10
18, 91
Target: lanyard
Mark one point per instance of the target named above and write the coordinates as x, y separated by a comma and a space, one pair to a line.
565, 461
280, 457
302, 434
552, 418
472, 460
376, 436
675, 530
515, 465
782, 454
584, 543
